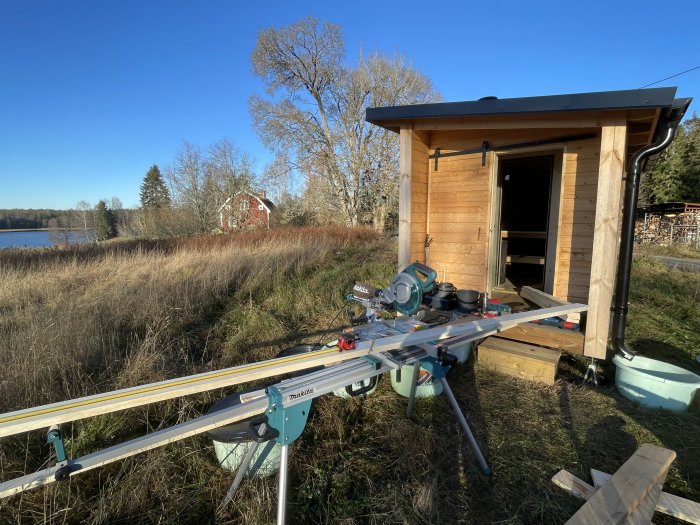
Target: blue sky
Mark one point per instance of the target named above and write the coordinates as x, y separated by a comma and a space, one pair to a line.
93, 93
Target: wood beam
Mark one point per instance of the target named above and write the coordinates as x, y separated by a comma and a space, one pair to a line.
545, 300
405, 178
513, 123
570, 120
681, 508
633, 491
605, 236
653, 125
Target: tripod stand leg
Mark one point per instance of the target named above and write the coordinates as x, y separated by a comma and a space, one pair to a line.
463, 422
243, 467
591, 373
412, 393
282, 490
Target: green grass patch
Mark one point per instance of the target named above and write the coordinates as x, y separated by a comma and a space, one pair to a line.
664, 315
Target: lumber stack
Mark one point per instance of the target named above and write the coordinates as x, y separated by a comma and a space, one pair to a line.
632, 494
521, 360
547, 336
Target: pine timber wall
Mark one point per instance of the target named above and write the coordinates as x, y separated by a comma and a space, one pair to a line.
419, 195
459, 216
577, 220
453, 204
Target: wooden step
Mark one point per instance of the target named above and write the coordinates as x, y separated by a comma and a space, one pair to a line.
519, 359
549, 336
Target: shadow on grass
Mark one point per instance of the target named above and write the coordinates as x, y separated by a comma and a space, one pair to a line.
606, 429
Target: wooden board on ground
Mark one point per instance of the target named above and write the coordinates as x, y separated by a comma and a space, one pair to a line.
544, 300
519, 359
549, 336
681, 508
573, 485
633, 491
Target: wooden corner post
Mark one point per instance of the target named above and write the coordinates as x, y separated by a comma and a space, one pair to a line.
605, 235
405, 183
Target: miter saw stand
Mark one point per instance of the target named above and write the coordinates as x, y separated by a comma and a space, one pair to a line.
289, 402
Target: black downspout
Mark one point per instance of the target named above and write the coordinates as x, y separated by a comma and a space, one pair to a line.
624, 266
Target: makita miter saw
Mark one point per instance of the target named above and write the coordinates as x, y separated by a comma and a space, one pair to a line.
404, 294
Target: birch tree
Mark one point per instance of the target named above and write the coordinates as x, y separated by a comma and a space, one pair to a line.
315, 113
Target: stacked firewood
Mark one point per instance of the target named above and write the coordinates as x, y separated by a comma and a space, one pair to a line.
660, 228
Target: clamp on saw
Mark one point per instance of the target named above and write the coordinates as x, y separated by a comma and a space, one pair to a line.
404, 294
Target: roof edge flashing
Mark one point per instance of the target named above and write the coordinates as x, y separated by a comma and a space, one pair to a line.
604, 100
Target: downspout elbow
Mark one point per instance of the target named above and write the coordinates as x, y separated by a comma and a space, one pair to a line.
624, 267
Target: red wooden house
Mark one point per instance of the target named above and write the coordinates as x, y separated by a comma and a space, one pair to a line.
245, 211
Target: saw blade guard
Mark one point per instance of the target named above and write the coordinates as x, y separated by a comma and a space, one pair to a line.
408, 287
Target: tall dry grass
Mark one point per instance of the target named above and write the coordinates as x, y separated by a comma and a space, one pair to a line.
95, 318
76, 322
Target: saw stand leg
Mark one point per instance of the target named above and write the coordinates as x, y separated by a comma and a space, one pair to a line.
465, 426
243, 467
282, 488
591, 373
438, 371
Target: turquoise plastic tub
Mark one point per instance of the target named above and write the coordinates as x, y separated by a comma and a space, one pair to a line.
231, 444
427, 386
655, 383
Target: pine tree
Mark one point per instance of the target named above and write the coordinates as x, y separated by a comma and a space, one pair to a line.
106, 222
676, 174
154, 192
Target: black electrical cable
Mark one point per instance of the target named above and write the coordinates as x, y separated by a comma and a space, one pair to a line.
337, 314
672, 76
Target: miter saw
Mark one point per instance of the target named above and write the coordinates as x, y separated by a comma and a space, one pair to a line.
404, 294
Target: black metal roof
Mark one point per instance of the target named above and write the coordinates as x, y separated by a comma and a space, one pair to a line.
604, 100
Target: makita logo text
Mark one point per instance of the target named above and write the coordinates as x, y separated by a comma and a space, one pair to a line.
361, 289
303, 393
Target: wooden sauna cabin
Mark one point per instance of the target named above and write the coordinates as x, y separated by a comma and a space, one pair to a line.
503, 193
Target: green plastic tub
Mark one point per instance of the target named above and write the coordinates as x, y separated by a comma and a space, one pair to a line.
655, 383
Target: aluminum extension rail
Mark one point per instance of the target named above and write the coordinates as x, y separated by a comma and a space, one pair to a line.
368, 359
43, 417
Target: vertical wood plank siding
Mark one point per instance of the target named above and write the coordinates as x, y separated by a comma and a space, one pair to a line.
460, 210
419, 195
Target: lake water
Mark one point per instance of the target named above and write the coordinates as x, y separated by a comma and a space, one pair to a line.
39, 239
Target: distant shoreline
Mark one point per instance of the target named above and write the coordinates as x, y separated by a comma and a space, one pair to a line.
39, 230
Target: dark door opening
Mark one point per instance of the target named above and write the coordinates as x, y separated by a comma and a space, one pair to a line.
525, 188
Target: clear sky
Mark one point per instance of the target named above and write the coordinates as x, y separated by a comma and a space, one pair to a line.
94, 92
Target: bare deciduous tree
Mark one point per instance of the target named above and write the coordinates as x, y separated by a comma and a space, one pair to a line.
277, 178
316, 113
200, 181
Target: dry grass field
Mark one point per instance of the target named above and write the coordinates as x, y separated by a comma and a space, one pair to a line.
78, 322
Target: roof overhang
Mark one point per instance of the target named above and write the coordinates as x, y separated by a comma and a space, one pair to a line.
648, 112
390, 117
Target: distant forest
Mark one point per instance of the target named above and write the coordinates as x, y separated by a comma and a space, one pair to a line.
33, 219
19, 219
